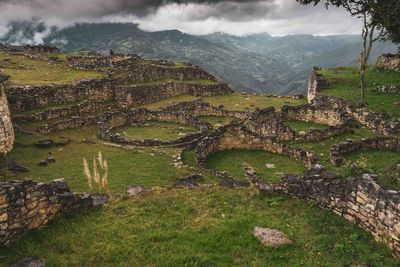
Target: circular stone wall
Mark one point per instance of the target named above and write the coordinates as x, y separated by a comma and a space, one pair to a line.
139, 117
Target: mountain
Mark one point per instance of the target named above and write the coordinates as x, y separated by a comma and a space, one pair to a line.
255, 63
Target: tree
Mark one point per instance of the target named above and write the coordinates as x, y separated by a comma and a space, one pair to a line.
373, 29
388, 16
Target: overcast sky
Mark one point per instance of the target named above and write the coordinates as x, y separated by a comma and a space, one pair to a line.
276, 17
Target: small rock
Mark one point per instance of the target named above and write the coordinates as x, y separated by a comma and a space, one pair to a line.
43, 163
134, 190
44, 143
191, 181
271, 237
270, 166
232, 183
15, 166
51, 159
30, 262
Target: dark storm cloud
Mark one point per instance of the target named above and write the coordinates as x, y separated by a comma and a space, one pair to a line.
95, 8
237, 17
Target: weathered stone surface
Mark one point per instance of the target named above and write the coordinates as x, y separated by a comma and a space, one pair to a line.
271, 237
27, 205
15, 166
113, 119
134, 190
6, 129
358, 200
389, 62
379, 143
190, 181
236, 136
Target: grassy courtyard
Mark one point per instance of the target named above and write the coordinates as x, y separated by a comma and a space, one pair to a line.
207, 227
157, 130
26, 71
344, 83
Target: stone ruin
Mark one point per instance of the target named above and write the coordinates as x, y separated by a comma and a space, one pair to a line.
113, 119
389, 62
27, 205
6, 127
269, 123
377, 143
388, 89
237, 136
39, 49
361, 201
315, 84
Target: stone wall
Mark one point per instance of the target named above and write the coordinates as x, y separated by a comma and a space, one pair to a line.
26, 205
32, 97
37, 49
316, 114
272, 124
315, 84
72, 123
101, 62
199, 108
379, 122
114, 119
153, 72
360, 201
127, 97
378, 143
388, 89
237, 136
6, 127
86, 108
389, 62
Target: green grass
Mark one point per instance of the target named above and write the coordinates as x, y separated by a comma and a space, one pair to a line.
242, 102
322, 148
379, 162
304, 126
344, 83
145, 166
207, 227
157, 130
26, 71
217, 121
233, 161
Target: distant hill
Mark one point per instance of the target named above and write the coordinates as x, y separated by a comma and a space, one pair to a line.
258, 63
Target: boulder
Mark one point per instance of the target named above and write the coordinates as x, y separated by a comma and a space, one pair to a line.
271, 237
15, 166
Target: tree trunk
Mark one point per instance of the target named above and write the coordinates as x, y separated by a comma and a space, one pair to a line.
363, 68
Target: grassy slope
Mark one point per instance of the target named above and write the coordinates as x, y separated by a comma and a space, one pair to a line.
25, 71
146, 166
208, 227
235, 160
234, 101
161, 130
186, 227
344, 83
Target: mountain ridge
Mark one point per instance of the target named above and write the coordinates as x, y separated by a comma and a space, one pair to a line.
252, 63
